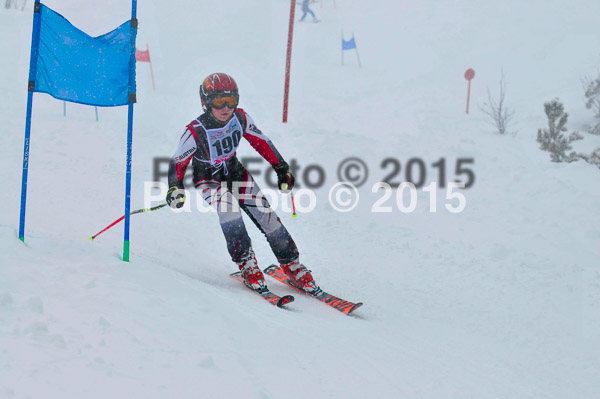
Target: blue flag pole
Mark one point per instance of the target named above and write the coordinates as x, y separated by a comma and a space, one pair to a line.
356, 48
132, 100
342, 47
35, 41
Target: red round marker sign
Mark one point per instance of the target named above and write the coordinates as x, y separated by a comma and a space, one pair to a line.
469, 74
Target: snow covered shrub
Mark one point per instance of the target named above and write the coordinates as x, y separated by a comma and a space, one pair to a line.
593, 158
552, 139
592, 95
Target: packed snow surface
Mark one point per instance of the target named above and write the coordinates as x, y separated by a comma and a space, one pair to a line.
500, 300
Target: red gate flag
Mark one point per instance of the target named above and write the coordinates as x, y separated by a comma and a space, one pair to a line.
144, 56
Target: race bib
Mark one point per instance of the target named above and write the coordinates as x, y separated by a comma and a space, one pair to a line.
223, 142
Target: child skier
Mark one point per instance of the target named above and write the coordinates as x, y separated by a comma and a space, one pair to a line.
210, 143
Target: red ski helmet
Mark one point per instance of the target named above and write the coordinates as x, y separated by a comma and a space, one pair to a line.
218, 85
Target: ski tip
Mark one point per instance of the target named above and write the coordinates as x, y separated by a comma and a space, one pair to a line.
285, 300
356, 306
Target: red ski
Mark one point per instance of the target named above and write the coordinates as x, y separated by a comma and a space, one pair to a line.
342, 305
276, 300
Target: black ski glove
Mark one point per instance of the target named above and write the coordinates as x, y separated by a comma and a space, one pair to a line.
284, 177
176, 196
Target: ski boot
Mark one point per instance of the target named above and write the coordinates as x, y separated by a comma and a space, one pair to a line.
253, 277
300, 277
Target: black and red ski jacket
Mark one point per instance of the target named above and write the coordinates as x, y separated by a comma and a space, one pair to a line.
211, 148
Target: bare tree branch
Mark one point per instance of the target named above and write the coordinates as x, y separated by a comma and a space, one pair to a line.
499, 114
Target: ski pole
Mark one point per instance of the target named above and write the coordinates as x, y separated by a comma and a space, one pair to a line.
284, 186
123, 217
294, 214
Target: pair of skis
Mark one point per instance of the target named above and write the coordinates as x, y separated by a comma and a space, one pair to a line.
275, 271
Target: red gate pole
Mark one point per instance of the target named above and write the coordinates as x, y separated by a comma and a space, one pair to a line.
150, 62
288, 61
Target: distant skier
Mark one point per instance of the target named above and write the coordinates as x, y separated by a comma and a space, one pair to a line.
307, 10
210, 143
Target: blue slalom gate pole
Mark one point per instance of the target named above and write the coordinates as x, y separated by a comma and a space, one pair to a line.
132, 100
356, 49
35, 41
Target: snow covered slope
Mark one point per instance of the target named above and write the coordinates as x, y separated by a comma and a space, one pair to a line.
498, 301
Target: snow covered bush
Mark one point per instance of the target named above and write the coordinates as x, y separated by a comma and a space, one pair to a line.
592, 95
593, 158
552, 139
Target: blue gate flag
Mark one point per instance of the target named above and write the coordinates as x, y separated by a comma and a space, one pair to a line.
348, 45
74, 66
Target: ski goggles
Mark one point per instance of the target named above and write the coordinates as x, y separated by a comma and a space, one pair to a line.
221, 102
